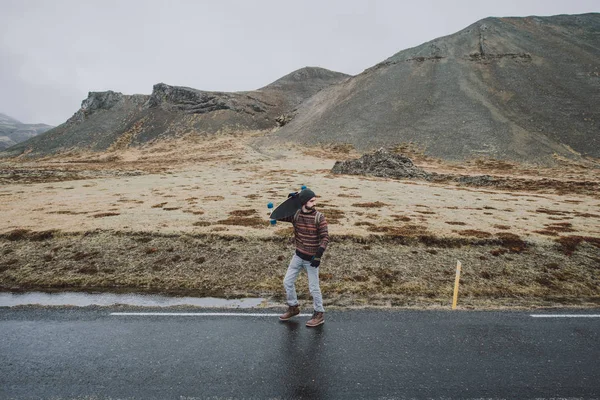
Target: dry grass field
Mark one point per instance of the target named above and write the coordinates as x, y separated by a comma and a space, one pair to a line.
189, 216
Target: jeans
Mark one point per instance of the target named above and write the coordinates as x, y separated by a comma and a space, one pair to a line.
289, 282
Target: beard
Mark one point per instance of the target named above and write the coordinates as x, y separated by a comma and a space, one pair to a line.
309, 208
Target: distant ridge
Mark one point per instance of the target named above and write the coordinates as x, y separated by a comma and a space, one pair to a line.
524, 89
110, 120
13, 131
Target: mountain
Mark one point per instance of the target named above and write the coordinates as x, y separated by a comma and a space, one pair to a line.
109, 120
522, 89
13, 131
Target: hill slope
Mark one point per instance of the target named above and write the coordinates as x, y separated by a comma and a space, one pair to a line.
506, 88
13, 131
109, 120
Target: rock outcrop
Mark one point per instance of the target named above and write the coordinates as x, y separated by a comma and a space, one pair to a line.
95, 102
381, 163
386, 164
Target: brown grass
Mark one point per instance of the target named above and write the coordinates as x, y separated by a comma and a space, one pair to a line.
332, 215
363, 223
559, 227
550, 212
375, 270
586, 215
242, 213
394, 231
568, 244
546, 232
498, 252
491, 164
252, 222
474, 233
201, 223
195, 212
106, 214
376, 204
513, 242
502, 227
214, 198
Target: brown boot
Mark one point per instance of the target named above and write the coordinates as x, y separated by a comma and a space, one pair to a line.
318, 318
291, 311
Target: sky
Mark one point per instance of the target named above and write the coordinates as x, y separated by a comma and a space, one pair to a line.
53, 52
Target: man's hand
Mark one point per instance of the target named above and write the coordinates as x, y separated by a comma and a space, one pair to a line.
316, 260
295, 194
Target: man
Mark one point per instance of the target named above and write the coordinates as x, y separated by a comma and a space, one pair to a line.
311, 237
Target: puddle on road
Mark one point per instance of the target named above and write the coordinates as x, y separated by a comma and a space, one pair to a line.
109, 299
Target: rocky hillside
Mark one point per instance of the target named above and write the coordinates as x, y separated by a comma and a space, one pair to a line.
13, 131
109, 120
522, 89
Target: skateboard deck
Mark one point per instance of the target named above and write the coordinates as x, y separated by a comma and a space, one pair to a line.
287, 209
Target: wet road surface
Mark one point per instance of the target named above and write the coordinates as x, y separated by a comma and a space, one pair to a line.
79, 352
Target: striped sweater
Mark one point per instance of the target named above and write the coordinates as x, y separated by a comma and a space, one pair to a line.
307, 236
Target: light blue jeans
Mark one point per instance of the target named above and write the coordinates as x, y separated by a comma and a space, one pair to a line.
289, 282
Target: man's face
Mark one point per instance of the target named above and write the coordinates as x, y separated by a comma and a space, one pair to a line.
311, 203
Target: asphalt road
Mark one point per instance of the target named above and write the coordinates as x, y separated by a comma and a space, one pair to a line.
89, 353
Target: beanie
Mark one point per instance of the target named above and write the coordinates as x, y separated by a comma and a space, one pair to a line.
306, 195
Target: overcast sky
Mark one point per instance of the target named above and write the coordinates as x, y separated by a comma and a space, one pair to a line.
53, 52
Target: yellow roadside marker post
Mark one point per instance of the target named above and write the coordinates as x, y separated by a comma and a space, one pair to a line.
456, 280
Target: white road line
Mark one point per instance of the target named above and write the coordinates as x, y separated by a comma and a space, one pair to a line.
201, 314
565, 315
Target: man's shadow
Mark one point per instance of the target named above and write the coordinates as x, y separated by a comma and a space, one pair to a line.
303, 355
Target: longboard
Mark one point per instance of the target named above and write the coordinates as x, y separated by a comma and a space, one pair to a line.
286, 209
